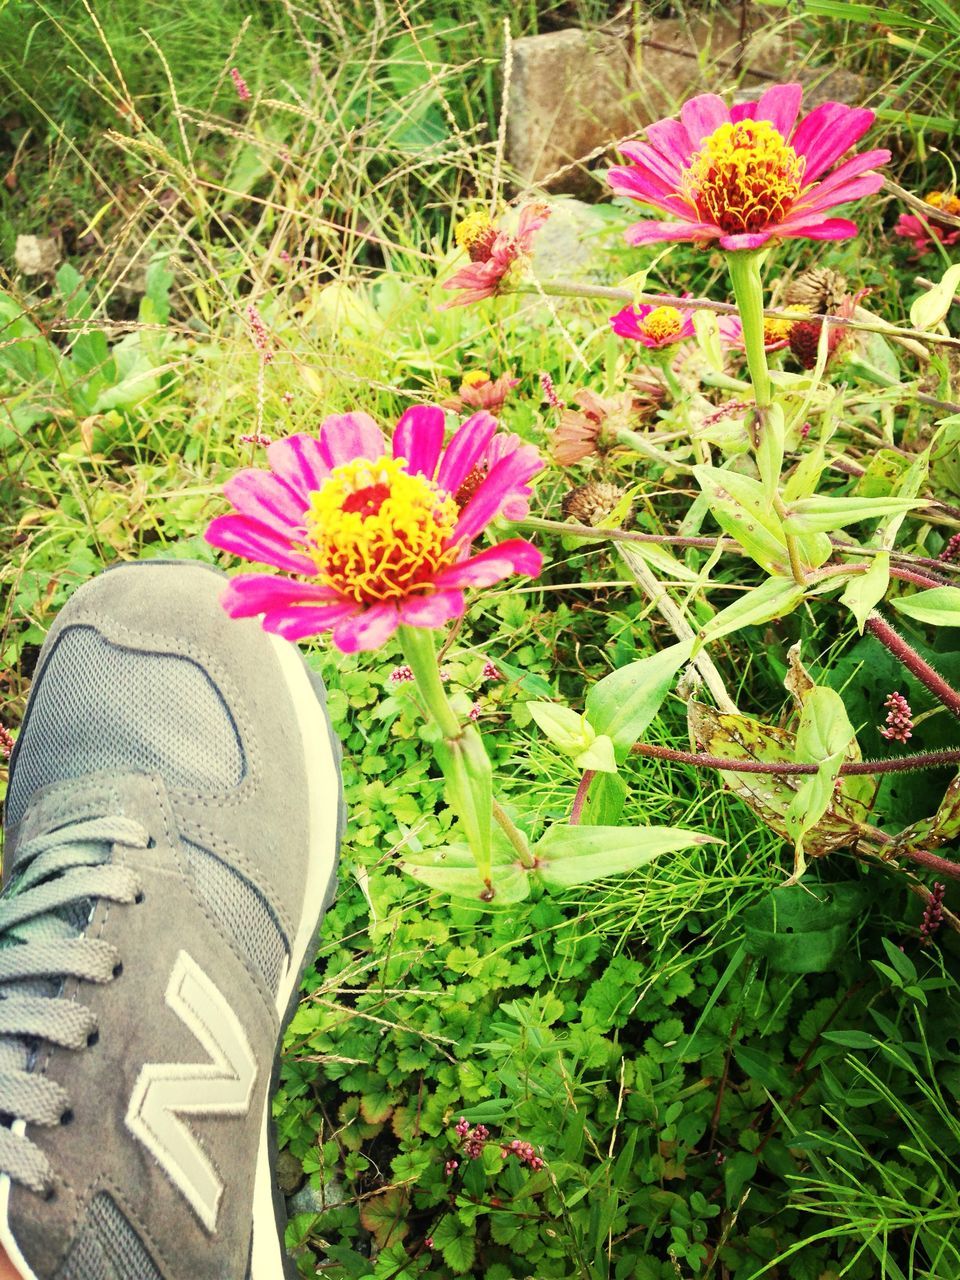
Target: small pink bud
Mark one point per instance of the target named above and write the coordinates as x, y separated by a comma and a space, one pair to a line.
899, 725
490, 672
6, 743
243, 93
401, 675
256, 437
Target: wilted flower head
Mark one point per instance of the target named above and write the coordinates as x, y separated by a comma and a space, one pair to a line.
805, 334
492, 252
776, 333
923, 231
369, 535
653, 326
478, 390
742, 175
592, 426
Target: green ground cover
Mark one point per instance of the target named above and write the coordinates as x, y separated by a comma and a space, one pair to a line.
724, 1075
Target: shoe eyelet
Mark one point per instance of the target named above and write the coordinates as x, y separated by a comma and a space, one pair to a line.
92, 1039
117, 969
67, 1117
140, 898
50, 1194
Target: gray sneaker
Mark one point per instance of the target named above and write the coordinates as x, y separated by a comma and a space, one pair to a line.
172, 824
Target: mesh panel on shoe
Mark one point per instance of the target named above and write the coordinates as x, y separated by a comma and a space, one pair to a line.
241, 910
97, 707
107, 1247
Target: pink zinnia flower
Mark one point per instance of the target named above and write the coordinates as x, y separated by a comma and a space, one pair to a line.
492, 253
653, 326
742, 175
371, 535
776, 333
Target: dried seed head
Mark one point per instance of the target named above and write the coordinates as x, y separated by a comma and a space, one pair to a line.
593, 503
820, 289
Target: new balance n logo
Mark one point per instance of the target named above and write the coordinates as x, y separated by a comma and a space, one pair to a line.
165, 1092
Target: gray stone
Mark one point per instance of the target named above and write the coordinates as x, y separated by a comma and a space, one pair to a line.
573, 94
36, 255
568, 244
317, 1199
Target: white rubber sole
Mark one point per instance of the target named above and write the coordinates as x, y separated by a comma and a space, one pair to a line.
268, 1257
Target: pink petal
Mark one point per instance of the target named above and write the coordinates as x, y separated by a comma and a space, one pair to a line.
249, 594
433, 610
849, 175
826, 133
491, 494
346, 436
367, 629
626, 322
419, 438
298, 461
493, 565
255, 541
660, 166
701, 116
671, 139
639, 183
651, 232
465, 450
780, 104
828, 229
297, 624
266, 498
748, 239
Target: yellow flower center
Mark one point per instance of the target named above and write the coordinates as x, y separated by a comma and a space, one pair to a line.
376, 532
745, 177
776, 330
476, 233
943, 200
475, 378
662, 323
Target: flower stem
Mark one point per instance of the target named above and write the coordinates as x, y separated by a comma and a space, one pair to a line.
580, 799
744, 268
421, 655
460, 752
514, 835
909, 658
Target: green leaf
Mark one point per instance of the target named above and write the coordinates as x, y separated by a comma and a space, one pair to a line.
739, 505
823, 515
456, 1241
598, 756
624, 703
940, 606
772, 599
569, 731
605, 800
798, 931
576, 855
452, 869
866, 590
931, 308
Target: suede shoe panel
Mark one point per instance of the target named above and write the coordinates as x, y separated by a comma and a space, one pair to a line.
97, 1151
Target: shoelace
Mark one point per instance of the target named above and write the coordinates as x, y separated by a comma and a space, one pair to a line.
42, 915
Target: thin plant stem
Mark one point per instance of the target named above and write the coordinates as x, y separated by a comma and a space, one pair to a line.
580, 799
514, 835
786, 768
909, 658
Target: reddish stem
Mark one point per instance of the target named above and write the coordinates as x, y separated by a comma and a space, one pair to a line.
908, 657
931, 861
896, 764
580, 799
